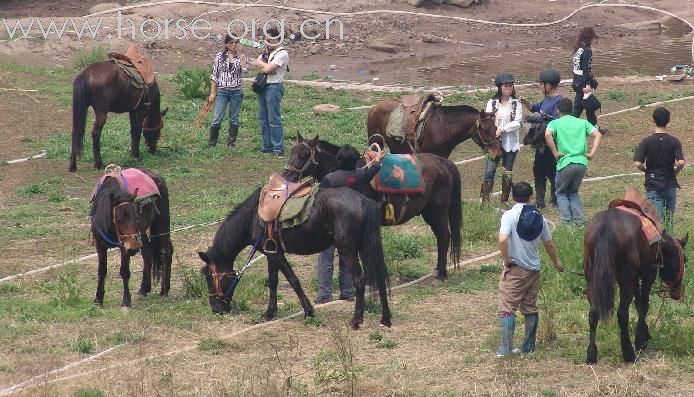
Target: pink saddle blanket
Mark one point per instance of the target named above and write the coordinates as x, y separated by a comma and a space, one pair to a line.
133, 181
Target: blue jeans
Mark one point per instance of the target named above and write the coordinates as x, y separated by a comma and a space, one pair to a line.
233, 100
568, 180
325, 276
507, 160
664, 201
270, 118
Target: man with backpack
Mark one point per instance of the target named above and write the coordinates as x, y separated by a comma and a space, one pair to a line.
522, 230
544, 164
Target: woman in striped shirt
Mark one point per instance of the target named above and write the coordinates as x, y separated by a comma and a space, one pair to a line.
227, 89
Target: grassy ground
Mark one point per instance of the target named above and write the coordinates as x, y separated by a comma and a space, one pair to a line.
444, 336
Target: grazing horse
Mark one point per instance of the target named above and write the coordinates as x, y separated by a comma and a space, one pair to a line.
107, 88
616, 251
445, 128
119, 222
340, 217
440, 205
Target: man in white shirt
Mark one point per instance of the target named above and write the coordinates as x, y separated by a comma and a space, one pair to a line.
269, 100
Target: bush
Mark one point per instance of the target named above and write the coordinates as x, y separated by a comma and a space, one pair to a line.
193, 83
86, 57
194, 284
91, 392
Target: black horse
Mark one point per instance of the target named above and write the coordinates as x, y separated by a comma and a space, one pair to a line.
440, 205
340, 217
616, 251
107, 88
118, 222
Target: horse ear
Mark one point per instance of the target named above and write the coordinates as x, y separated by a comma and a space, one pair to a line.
134, 195
315, 139
204, 257
163, 113
684, 241
299, 138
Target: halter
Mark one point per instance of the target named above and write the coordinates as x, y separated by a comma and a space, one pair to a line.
676, 282
479, 133
217, 278
149, 129
119, 236
311, 160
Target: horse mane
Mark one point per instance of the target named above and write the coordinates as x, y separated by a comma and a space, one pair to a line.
456, 112
329, 147
102, 204
234, 231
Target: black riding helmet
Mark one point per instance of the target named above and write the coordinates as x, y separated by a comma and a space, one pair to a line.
503, 78
550, 76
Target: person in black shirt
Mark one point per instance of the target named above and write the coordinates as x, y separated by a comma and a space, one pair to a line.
584, 83
660, 157
350, 176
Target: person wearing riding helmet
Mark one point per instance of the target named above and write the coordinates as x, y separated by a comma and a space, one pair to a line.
584, 83
544, 164
509, 112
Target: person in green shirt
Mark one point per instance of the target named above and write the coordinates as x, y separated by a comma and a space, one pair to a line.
567, 138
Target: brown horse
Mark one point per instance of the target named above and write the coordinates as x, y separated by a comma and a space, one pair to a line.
445, 128
440, 205
107, 88
118, 222
616, 251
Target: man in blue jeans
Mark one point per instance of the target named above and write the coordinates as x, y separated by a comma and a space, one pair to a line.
269, 115
660, 157
226, 89
571, 136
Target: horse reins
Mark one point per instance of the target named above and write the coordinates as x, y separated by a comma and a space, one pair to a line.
217, 278
478, 126
311, 160
158, 127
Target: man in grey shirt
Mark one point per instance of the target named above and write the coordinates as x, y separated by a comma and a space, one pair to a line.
522, 230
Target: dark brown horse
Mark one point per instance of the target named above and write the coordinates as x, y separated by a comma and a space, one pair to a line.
340, 217
616, 251
118, 222
446, 127
107, 88
440, 205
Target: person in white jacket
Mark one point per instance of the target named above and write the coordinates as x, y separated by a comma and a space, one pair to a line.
509, 112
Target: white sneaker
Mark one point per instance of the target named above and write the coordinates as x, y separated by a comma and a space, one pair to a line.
517, 350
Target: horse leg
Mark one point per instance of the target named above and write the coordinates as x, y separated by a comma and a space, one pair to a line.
147, 258
96, 137
438, 222
359, 280
296, 285
626, 295
125, 275
642, 302
103, 268
592, 354
165, 254
135, 133
272, 271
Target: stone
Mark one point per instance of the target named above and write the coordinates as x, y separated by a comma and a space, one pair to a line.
325, 108
379, 46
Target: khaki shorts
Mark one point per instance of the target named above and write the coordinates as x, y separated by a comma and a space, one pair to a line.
518, 290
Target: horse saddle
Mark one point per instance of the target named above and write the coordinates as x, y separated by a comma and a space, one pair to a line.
276, 193
634, 203
407, 120
134, 58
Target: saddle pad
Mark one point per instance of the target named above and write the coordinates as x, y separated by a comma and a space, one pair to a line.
296, 210
399, 174
395, 129
132, 180
135, 78
647, 227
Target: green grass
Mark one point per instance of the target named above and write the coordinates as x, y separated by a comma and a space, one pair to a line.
212, 345
89, 392
86, 57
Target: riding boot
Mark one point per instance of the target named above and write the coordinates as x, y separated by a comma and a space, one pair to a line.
214, 135
506, 185
531, 320
486, 191
540, 189
233, 133
508, 326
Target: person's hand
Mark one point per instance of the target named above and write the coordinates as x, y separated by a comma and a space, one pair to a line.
587, 89
590, 156
525, 102
259, 61
558, 155
559, 266
499, 131
212, 98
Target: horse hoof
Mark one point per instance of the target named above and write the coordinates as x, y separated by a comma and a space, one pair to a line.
355, 325
72, 168
591, 361
437, 282
386, 324
125, 308
98, 302
142, 292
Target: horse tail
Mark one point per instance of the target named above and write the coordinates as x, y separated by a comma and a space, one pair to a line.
371, 251
455, 214
602, 259
162, 249
80, 104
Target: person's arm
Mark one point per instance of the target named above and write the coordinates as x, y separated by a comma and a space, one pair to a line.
372, 170
552, 252
277, 61
586, 68
325, 183
215, 78
549, 139
679, 158
514, 126
597, 136
639, 166
503, 247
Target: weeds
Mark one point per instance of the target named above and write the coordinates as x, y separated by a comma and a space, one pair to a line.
194, 283
212, 345
84, 347
67, 288
86, 57
90, 392
193, 83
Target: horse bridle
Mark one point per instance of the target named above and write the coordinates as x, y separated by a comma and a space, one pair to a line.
478, 127
120, 236
217, 278
149, 129
311, 160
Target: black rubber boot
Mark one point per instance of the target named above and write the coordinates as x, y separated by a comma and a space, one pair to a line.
214, 135
233, 133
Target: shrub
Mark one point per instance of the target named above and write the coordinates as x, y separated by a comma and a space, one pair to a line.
86, 57
193, 83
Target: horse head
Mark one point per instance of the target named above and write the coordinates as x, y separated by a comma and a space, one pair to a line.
484, 133
310, 157
151, 129
115, 217
221, 282
674, 259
